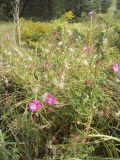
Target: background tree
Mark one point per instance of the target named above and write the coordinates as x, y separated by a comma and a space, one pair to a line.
46, 9
105, 4
118, 4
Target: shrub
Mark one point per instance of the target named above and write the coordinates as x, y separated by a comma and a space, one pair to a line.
34, 31
69, 16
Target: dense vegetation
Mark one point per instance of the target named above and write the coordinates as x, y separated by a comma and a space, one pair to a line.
60, 84
46, 9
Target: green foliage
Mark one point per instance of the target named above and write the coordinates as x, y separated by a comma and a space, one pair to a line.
10, 152
113, 32
58, 8
118, 4
105, 4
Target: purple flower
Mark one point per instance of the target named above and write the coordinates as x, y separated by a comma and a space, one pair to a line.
49, 99
116, 68
34, 105
92, 13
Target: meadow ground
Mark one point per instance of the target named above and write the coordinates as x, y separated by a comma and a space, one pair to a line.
60, 90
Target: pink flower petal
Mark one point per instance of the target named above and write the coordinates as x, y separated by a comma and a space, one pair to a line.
92, 13
34, 106
50, 110
8, 37
49, 99
86, 48
38, 105
116, 68
70, 33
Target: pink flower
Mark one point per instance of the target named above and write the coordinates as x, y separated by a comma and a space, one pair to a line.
50, 110
46, 65
70, 33
92, 13
8, 37
49, 99
86, 48
116, 68
34, 105
106, 112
